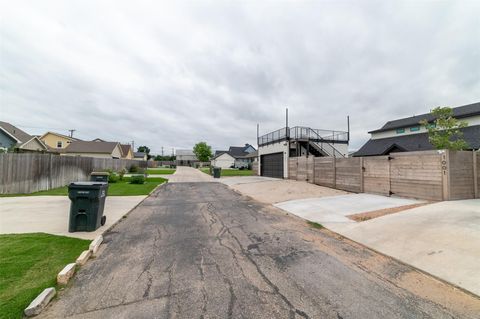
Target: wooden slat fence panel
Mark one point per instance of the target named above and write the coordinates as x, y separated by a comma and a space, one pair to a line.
348, 174
461, 175
292, 168
32, 172
417, 175
324, 171
376, 175
301, 169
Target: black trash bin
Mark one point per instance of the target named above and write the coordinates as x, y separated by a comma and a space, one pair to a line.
217, 171
99, 176
86, 209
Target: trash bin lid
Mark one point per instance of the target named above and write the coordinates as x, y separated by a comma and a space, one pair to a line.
88, 183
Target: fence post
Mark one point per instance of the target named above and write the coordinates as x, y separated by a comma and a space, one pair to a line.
445, 175
475, 175
361, 175
334, 172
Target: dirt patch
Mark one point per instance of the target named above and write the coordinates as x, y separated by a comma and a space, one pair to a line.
272, 192
381, 212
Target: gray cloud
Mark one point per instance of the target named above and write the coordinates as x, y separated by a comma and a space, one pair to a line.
169, 75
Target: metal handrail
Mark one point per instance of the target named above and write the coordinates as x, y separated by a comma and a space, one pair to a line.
303, 132
336, 153
277, 135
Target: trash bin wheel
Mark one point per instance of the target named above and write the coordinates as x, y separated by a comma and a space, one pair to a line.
103, 220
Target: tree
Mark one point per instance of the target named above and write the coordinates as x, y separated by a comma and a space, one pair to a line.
144, 149
444, 132
202, 151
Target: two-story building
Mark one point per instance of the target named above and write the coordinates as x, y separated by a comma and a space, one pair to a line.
235, 157
407, 134
56, 141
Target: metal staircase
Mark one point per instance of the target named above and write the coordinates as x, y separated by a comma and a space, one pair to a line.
317, 144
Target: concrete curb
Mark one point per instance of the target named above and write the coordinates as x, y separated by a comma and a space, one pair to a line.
67, 272
95, 244
39, 303
83, 258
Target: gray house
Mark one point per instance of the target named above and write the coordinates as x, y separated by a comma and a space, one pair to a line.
185, 158
13, 137
407, 135
235, 157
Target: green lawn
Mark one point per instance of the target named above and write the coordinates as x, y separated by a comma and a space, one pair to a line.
231, 172
121, 188
160, 171
30, 263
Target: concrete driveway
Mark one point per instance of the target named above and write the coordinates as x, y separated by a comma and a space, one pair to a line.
185, 174
49, 214
335, 209
200, 250
273, 190
442, 239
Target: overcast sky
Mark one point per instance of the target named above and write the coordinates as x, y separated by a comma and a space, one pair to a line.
171, 74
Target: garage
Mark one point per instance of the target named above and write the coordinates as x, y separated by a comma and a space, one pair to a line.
271, 165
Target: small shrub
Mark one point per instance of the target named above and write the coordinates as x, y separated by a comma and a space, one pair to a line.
112, 178
137, 179
121, 173
241, 168
133, 169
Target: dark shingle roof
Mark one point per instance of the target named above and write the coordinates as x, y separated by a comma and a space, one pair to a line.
458, 112
125, 148
90, 147
139, 154
414, 142
16, 132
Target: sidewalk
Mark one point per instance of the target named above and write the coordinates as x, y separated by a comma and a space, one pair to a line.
49, 214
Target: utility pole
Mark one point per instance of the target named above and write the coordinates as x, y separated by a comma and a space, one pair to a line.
286, 117
133, 146
348, 128
162, 151
71, 132
258, 127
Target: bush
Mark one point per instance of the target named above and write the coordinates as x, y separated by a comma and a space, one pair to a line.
112, 178
121, 173
133, 169
137, 179
242, 168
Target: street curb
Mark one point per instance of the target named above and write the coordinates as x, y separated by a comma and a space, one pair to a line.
40, 302
66, 273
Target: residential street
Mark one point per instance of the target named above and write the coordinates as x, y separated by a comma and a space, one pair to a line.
200, 250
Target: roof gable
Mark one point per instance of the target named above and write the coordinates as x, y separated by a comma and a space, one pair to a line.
15, 132
59, 135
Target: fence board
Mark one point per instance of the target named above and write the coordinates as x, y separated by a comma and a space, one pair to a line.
324, 171
376, 175
347, 174
33, 172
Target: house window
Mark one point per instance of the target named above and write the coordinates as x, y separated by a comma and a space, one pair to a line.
432, 125
59, 144
400, 130
415, 128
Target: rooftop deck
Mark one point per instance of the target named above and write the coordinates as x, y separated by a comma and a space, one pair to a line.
304, 133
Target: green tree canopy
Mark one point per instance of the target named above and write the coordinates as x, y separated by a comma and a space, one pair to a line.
444, 132
144, 149
202, 151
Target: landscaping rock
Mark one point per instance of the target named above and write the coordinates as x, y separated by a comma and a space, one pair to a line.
39, 303
64, 276
95, 244
84, 256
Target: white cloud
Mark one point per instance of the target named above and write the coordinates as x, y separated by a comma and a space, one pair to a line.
171, 74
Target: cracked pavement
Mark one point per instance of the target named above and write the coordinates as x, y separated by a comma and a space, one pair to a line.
200, 250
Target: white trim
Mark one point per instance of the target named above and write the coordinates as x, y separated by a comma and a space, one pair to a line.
33, 138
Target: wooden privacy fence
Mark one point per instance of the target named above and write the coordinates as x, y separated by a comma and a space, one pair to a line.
32, 172
430, 175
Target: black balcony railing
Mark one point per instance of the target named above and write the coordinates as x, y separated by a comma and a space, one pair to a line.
304, 133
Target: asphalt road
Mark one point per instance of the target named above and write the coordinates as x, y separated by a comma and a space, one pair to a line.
200, 250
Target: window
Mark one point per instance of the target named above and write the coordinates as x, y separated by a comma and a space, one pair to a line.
59, 144
415, 128
432, 125
400, 130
